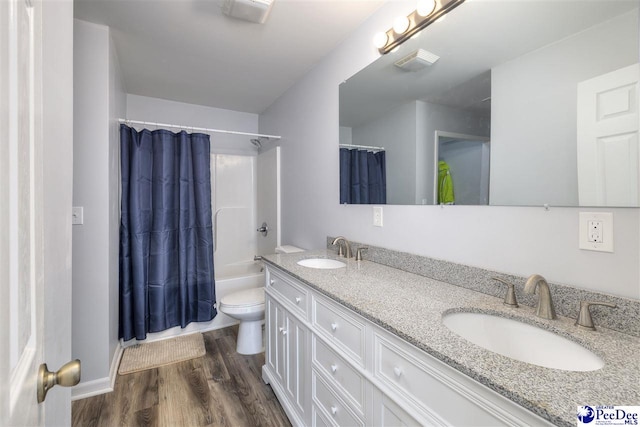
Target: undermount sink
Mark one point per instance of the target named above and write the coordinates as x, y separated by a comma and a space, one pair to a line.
521, 341
322, 263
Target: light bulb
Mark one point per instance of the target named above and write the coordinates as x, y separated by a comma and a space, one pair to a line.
380, 40
401, 24
425, 7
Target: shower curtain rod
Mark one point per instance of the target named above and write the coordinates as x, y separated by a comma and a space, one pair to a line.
195, 128
366, 147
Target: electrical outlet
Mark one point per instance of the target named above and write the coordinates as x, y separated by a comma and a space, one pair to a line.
377, 216
596, 231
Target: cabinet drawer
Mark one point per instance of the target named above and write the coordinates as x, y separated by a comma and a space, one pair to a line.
336, 368
339, 326
401, 367
292, 293
334, 409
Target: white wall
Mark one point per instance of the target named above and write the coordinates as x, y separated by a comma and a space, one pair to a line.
178, 113
528, 87
98, 100
518, 240
117, 109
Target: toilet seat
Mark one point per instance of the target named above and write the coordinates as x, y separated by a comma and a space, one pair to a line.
250, 298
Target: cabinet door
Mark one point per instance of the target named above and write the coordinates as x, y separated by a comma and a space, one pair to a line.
297, 363
276, 342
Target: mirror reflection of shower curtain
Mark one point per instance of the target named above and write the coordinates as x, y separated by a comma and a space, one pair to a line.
363, 177
166, 239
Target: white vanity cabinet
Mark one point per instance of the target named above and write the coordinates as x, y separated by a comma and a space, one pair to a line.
329, 366
287, 361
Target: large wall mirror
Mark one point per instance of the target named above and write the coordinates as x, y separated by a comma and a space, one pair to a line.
518, 102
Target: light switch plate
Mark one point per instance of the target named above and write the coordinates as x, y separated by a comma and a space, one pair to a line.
596, 231
77, 215
377, 216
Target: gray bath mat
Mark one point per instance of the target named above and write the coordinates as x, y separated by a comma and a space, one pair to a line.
147, 356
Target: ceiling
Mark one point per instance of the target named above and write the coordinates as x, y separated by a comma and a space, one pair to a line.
188, 51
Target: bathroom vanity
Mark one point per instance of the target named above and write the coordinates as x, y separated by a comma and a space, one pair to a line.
364, 344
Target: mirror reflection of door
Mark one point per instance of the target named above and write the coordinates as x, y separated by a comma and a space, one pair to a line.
464, 159
608, 145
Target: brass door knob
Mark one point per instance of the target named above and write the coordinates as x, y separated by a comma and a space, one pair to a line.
67, 376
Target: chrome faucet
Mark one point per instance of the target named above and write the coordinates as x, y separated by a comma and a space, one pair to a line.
347, 247
545, 304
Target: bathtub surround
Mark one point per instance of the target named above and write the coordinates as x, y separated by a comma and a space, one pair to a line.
566, 299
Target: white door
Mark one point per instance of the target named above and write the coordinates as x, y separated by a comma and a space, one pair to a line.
268, 210
24, 268
608, 154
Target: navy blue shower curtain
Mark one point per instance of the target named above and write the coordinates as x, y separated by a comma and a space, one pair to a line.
166, 234
363, 177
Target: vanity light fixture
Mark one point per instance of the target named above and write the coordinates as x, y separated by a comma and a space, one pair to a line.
427, 12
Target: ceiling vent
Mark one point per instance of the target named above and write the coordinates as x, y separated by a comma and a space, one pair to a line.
248, 10
417, 60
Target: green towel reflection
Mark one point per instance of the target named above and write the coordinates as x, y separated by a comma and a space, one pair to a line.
445, 184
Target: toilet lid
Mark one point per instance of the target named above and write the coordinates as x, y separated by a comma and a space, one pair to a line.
246, 298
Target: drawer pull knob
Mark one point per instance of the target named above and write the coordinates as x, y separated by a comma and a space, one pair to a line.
334, 368
397, 371
334, 326
334, 410
272, 281
298, 299
284, 332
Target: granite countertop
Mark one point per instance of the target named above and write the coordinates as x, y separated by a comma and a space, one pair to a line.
394, 299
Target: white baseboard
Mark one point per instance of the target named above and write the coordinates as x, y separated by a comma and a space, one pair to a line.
91, 388
101, 385
115, 363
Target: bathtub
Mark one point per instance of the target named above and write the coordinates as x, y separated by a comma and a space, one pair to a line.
229, 278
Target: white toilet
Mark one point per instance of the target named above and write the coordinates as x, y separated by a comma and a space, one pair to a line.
248, 307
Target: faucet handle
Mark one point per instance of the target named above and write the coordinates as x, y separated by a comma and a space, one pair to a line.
510, 296
340, 251
359, 253
584, 319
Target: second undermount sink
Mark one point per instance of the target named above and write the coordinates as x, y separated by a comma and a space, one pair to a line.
321, 263
521, 341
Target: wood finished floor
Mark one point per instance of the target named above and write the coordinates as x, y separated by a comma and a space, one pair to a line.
221, 388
